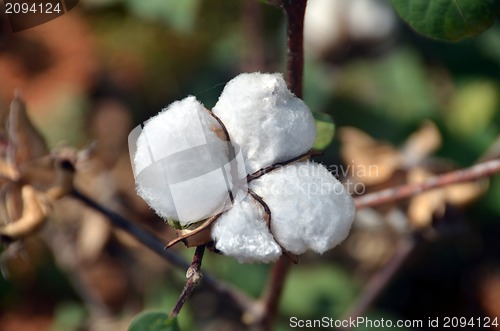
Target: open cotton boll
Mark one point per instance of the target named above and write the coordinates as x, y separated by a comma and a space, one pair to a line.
370, 19
310, 209
265, 119
179, 163
242, 232
323, 25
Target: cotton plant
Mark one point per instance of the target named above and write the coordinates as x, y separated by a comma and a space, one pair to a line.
240, 175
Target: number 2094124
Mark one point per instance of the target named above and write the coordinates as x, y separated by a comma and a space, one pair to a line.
32, 8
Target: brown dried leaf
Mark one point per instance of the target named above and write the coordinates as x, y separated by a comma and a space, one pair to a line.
362, 152
423, 206
489, 293
25, 142
35, 210
94, 233
465, 193
7, 171
194, 239
421, 144
11, 202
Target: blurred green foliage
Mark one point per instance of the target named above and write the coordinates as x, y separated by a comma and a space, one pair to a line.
318, 290
325, 130
154, 321
448, 20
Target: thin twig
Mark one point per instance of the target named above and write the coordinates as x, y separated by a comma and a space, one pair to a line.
208, 222
194, 277
379, 281
146, 238
393, 194
377, 284
156, 245
270, 300
295, 11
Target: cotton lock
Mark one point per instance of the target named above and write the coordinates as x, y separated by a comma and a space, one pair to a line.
310, 209
178, 160
265, 119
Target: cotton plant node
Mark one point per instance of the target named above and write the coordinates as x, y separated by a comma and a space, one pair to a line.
239, 178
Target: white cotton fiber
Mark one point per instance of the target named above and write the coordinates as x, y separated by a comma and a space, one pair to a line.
182, 169
335, 25
242, 232
179, 160
265, 119
310, 209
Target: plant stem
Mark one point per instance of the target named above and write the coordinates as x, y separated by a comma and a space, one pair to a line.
379, 281
393, 194
156, 245
194, 276
253, 53
145, 237
295, 11
264, 312
383, 277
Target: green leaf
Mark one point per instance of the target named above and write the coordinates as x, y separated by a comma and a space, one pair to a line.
69, 316
179, 15
319, 290
449, 20
325, 129
472, 107
153, 321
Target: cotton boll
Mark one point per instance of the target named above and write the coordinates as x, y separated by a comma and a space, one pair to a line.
179, 163
336, 29
242, 232
370, 20
310, 209
324, 25
265, 119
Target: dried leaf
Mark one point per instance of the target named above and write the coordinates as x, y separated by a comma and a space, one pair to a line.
35, 210
489, 292
363, 153
423, 206
94, 233
7, 171
421, 144
464, 193
25, 142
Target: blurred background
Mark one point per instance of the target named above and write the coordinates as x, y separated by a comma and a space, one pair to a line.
404, 108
